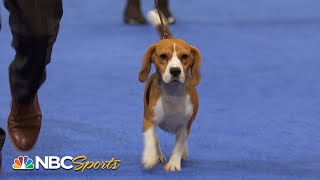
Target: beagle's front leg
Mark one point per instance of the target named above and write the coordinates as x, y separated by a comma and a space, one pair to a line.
152, 154
174, 163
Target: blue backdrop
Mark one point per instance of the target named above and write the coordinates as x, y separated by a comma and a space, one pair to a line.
259, 114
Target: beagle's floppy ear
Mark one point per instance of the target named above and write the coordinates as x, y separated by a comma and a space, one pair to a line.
146, 64
195, 66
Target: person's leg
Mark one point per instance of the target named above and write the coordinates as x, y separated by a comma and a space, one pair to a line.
2, 133
2, 138
164, 7
0, 19
133, 14
34, 25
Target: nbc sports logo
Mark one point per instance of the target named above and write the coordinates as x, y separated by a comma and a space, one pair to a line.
23, 163
79, 163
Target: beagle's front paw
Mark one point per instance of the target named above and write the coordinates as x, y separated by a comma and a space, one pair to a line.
173, 165
149, 161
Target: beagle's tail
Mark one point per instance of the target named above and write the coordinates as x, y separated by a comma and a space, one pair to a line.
154, 19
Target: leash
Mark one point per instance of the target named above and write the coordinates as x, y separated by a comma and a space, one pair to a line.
164, 29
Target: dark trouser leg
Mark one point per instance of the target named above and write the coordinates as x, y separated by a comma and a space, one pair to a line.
133, 14
164, 7
34, 25
2, 138
2, 133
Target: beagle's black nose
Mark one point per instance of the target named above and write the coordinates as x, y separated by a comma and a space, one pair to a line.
175, 72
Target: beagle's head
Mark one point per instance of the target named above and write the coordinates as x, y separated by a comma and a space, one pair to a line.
175, 61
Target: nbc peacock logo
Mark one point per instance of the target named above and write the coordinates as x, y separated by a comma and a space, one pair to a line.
23, 163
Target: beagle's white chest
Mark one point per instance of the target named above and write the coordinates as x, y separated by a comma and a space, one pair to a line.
173, 112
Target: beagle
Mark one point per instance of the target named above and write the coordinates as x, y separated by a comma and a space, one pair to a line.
170, 99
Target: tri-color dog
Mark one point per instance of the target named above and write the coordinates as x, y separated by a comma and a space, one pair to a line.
170, 97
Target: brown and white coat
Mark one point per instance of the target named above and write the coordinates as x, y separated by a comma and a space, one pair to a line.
170, 98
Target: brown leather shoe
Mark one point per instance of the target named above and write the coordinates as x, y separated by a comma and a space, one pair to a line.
24, 124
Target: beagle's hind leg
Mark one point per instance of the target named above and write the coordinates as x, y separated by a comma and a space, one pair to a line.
161, 157
185, 154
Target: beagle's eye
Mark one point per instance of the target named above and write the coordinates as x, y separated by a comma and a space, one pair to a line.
184, 57
163, 57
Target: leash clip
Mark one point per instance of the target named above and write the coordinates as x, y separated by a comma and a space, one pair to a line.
164, 29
